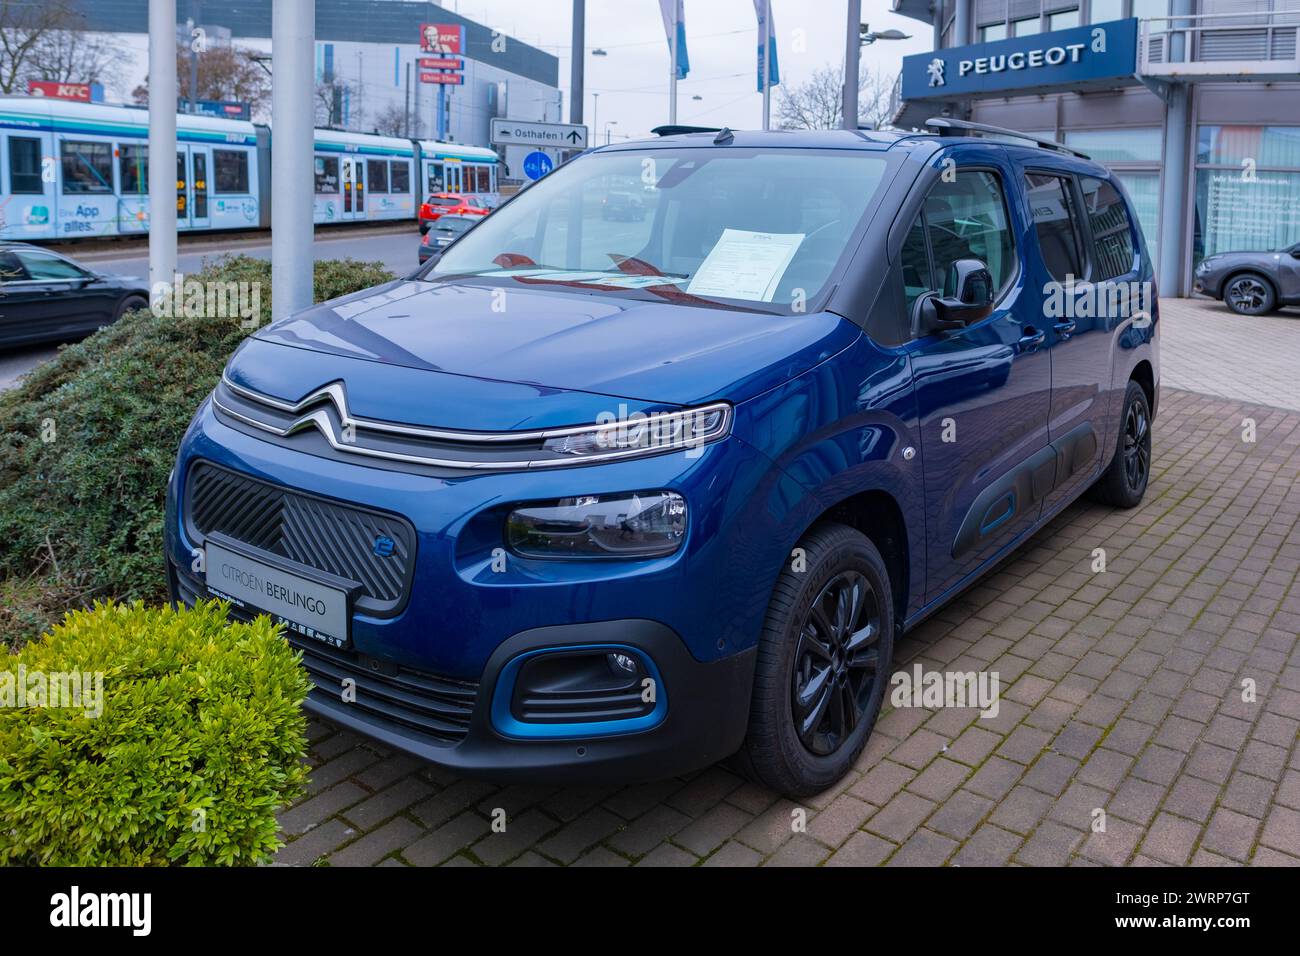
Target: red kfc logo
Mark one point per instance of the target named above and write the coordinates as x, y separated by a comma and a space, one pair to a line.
59, 91
440, 38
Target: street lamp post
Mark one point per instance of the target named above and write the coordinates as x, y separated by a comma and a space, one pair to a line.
578, 57
859, 35
162, 141
293, 41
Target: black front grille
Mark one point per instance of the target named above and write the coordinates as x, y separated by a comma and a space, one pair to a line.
331, 536
434, 708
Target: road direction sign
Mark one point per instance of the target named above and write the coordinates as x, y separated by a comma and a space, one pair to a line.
510, 132
537, 164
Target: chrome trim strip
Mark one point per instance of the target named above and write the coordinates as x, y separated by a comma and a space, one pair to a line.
334, 391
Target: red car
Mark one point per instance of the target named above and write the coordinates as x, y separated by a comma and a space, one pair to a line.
447, 204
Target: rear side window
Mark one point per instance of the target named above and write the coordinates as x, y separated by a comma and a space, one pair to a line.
1112, 231
401, 179
25, 165
42, 265
87, 167
1055, 224
230, 169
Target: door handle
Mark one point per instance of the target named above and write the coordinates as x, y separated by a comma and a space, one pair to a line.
1065, 329
1031, 339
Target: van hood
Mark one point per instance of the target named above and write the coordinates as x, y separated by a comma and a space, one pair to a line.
651, 352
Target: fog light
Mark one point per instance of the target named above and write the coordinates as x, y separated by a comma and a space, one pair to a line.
621, 663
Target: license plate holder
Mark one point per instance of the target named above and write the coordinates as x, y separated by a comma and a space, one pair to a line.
313, 603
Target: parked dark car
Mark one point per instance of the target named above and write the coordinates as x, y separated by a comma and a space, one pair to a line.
574, 502
622, 204
47, 297
1251, 283
443, 231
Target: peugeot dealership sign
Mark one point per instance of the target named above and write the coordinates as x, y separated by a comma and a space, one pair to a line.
1089, 57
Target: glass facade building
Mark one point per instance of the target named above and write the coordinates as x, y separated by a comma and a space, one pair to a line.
1226, 122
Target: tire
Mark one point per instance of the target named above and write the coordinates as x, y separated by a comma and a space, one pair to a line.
1124, 481
129, 304
1249, 294
775, 753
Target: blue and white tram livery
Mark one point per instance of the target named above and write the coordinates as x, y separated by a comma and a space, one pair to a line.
361, 176
72, 170
456, 168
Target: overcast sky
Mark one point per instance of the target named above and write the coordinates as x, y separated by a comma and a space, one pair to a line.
721, 39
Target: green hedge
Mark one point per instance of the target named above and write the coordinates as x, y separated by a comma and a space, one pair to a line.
198, 740
81, 515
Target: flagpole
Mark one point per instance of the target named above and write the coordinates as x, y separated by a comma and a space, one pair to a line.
672, 72
767, 64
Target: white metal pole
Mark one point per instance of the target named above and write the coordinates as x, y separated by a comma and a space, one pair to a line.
852, 52
162, 141
293, 38
672, 72
767, 66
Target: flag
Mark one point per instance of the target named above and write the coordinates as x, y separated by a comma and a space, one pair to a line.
668, 8
763, 8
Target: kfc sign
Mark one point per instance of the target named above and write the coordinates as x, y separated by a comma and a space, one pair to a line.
59, 91
440, 38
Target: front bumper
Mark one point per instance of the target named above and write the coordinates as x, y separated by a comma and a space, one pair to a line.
705, 715
426, 676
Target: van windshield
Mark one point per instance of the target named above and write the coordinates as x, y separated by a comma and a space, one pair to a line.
689, 225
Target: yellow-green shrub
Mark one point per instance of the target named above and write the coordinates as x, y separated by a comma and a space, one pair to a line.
199, 742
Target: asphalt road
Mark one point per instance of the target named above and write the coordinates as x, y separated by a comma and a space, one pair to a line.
396, 250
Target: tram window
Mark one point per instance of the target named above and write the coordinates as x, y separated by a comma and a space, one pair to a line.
25, 165
87, 167
133, 169
230, 170
327, 174
377, 174
401, 181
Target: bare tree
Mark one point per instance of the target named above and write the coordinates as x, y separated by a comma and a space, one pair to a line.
390, 121
24, 26
817, 102
225, 73
329, 102
74, 56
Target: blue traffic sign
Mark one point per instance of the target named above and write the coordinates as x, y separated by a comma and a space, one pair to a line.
537, 164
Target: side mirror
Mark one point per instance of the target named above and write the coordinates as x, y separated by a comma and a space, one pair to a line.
972, 299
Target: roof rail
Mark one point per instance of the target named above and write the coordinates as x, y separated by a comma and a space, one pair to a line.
678, 130
944, 126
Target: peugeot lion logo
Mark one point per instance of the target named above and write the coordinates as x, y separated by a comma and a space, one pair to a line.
935, 69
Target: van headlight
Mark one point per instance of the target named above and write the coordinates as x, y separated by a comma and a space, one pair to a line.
643, 433
648, 524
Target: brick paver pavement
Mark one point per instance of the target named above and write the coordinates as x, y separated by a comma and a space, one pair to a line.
1207, 349
1124, 693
